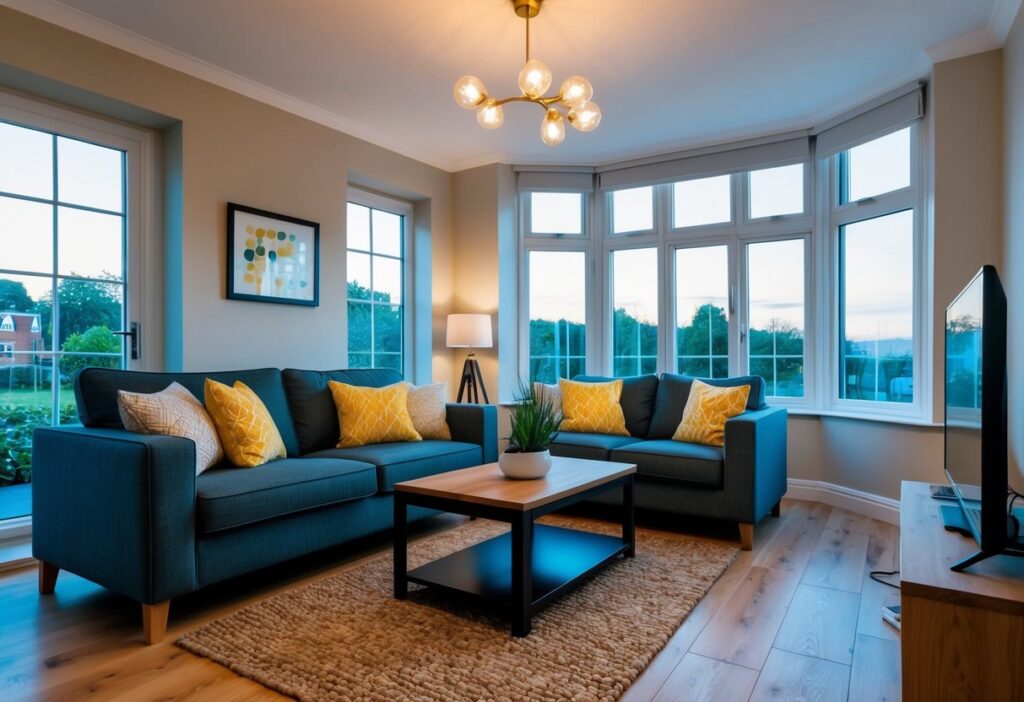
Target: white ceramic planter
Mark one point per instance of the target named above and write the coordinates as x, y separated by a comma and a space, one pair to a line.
525, 466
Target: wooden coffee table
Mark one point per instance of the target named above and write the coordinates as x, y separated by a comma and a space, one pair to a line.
527, 568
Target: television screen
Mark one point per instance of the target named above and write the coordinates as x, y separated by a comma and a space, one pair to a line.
964, 339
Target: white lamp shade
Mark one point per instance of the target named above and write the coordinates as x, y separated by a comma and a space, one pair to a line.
469, 331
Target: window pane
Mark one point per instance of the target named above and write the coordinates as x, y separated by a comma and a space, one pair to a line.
25, 305
777, 191
633, 210
360, 328
358, 276
89, 244
360, 360
26, 235
879, 166
387, 280
89, 311
358, 227
387, 233
557, 309
556, 213
26, 403
876, 357
26, 161
703, 201
387, 329
775, 284
635, 311
89, 175
702, 311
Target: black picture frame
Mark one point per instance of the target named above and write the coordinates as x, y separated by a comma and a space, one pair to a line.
303, 233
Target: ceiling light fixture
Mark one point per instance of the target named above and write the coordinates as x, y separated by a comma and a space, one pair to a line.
573, 98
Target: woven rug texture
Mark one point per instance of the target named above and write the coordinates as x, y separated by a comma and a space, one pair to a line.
345, 638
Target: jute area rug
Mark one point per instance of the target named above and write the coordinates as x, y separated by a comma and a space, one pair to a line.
345, 638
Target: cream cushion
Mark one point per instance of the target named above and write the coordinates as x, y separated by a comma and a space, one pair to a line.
173, 411
548, 393
427, 407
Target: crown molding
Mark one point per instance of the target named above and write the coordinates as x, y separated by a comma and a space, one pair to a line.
1004, 14
102, 31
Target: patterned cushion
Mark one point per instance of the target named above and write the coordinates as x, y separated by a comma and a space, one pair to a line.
373, 415
592, 407
173, 411
246, 429
707, 409
427, 410
549, 393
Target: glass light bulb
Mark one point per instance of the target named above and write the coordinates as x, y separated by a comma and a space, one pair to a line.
585, 116
576, 89
469, 92
552, 129
534, 79
490, 114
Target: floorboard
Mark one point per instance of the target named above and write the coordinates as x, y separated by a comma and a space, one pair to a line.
796, 618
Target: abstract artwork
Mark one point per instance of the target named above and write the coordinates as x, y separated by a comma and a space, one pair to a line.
272, 257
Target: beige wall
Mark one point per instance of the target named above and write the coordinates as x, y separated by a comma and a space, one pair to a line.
967, 118
485, 245
239, 150
1012, 270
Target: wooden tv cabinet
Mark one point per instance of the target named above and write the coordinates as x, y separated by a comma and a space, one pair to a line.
963, 633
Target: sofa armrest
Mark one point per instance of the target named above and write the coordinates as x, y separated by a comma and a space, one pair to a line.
755, 462
475, 424
117, 508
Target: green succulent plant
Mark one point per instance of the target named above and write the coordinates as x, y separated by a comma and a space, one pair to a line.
535, 421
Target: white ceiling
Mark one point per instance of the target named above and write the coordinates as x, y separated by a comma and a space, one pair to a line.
668, 74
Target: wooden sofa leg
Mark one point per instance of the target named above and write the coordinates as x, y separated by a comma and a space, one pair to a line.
777, 509
746, 536
47, 578
154, 621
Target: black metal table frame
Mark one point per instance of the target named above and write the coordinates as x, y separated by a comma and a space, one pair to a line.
522, 606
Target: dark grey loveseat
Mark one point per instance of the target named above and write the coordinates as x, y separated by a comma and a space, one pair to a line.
740, 482
127, 511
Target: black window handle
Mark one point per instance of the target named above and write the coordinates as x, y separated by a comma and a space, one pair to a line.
133, 334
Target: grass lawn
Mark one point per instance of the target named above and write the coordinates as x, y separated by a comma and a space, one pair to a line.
27, 397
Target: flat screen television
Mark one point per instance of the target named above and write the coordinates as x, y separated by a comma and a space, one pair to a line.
976, 434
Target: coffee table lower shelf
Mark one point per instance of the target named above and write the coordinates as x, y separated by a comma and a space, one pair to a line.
562, 558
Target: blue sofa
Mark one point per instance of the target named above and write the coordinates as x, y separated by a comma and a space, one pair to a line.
127, 511
742, 482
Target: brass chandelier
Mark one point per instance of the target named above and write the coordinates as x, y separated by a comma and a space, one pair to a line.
573, 98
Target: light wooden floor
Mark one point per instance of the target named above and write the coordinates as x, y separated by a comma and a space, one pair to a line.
796, 618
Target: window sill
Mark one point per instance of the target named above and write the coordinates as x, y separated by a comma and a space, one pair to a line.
861, 416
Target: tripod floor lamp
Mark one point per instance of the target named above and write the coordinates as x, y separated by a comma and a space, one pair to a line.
470, 331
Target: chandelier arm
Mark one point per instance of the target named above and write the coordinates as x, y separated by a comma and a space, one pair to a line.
543, 102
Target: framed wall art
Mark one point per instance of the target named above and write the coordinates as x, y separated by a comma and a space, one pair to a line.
272, 257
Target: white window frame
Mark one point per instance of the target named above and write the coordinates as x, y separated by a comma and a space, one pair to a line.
839, 215
143, 260
403, 209
584, 243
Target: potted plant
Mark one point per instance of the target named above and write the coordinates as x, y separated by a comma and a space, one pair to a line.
534, 425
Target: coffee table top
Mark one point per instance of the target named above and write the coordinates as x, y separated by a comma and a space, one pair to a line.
487, 485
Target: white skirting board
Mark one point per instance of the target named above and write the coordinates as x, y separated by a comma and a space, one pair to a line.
884, 509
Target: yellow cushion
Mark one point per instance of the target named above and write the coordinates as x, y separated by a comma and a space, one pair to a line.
592, 407
373, 415
246, 430
707, 409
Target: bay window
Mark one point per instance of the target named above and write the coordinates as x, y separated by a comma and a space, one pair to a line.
801, 260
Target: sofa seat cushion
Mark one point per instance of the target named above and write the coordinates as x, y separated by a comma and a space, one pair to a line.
674, 460
400, 461
232, 497
573, 444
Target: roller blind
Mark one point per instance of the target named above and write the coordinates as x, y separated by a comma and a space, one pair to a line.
890, 115
729, 160
555, 181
